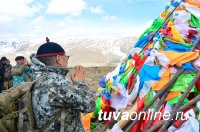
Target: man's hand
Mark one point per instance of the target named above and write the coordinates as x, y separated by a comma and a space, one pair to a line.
78, 74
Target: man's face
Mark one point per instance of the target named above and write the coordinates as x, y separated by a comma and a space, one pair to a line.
20, 62
7, 62
62, 60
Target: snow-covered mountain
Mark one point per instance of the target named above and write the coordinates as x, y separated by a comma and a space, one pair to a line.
14, 46
86, 51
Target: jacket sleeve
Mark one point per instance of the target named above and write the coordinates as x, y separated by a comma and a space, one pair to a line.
17, 71
77, 97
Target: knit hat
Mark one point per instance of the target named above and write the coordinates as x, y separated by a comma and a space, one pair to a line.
50, 49
19, 58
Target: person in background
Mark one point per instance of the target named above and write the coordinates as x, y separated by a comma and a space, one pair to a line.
21, 72
7, 73
2, 70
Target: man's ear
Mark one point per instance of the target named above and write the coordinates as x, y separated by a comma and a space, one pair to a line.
58, 59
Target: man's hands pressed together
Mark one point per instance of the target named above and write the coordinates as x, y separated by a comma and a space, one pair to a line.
78, 74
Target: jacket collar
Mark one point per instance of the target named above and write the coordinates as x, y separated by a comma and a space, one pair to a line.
41, 67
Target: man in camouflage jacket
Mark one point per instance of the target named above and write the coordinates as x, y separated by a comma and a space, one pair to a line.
55, 91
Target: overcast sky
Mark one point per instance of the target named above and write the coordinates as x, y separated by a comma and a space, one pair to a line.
32, 20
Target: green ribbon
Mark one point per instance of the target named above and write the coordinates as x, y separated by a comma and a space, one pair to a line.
98, 106
154, 27
175, 100
194, 21
182, 83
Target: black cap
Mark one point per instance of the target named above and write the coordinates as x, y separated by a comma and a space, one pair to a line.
3, 58
50, 49
19, 58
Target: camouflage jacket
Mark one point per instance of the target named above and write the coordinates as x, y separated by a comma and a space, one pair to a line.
54, 92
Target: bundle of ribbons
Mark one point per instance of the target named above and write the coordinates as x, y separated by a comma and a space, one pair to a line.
161, 74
